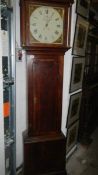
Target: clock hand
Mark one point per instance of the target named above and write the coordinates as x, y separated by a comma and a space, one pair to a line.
46, 25
48, 20
52, 15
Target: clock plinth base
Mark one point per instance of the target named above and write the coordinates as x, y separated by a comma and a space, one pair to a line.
45, 155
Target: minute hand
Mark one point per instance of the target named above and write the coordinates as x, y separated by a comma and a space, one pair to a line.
49, 19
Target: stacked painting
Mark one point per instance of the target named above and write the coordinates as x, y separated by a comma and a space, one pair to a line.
77, 71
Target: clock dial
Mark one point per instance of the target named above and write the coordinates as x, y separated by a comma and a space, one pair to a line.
46, 24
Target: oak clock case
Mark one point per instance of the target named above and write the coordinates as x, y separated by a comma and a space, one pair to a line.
44, 143
45, 24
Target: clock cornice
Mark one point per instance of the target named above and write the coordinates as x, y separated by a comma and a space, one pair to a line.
54, 1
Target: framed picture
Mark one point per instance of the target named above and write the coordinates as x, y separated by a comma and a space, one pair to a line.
80, 38
74, 108
77, 73
72, 136
82, 8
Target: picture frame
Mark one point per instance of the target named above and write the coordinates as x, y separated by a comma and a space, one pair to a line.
89, 47
72, 135
87, 59
80, 37
97, 49
82, 8
74, 108
96, 64
77, 73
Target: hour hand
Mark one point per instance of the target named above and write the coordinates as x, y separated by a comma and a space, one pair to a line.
46, 25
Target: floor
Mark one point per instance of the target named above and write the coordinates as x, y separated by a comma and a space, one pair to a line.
84, 161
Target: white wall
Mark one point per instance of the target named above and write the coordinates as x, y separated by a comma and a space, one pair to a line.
20, 94
21, 88
2, 155
67, 72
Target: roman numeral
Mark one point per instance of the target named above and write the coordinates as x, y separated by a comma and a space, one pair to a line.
58, 25
56, 19
34, 24
35, 17
56, 32
35, 31
40, 36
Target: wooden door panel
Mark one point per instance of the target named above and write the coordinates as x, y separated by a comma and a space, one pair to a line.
51, 152
44, 82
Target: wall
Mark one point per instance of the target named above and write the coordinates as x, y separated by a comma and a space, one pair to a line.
2, 156
21, 88
20, 94
67, 72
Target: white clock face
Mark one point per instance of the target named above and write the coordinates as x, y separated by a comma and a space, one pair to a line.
46, 24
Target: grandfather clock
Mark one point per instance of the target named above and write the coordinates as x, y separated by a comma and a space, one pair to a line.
45, 35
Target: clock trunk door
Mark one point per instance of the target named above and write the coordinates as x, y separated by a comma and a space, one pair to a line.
44, 94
